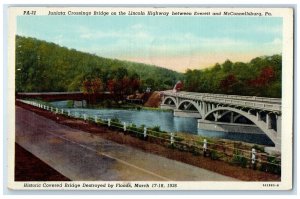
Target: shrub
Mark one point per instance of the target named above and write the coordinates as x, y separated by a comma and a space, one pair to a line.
156, 128
178, 139
273, 167
214, 155
239, 159
115, 120
259, 148
70, 104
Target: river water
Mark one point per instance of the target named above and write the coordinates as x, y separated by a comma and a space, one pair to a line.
166, 121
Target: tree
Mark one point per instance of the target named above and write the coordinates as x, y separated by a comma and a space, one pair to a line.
260, 77
216, 67
135, 85
227, 83
112, 85
266, 76
92, 87
227, 66
45, 66
120, 73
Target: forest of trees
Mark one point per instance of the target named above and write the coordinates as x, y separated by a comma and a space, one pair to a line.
260, 77
42, 66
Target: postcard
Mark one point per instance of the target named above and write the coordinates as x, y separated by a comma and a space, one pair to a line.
150, 98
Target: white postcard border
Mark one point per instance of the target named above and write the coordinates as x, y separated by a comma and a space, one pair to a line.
287, 106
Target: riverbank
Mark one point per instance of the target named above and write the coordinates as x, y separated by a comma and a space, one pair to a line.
152, 102
218, 166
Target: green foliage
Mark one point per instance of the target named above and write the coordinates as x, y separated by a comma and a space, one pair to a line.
42, 66
259, 148
214, 155
178, 139
260, 77
116, 120
142, 126
156, 128
70, 104
239, 159
272, 166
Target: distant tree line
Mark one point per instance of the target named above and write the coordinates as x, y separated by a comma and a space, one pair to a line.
260, 77
42, 66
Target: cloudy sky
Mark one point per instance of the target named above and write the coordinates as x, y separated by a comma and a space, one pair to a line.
177, 43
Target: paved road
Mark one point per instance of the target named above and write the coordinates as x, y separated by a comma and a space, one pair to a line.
83, 156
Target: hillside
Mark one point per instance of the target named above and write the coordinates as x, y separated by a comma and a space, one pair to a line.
259, 77
44, 66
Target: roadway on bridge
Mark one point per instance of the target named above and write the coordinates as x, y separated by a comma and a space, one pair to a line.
82, 156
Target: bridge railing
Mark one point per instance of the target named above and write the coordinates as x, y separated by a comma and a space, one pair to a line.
252, 158
272, 104
255, 105
195, 95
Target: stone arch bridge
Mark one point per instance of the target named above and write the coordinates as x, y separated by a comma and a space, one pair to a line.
232, 113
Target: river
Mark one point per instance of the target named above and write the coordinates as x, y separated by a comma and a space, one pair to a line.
166, 121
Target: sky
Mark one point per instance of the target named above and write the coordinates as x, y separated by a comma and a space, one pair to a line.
177, 43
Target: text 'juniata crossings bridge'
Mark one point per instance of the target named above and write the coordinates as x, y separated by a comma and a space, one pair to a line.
229, 113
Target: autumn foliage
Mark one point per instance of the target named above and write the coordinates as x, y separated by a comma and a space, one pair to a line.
266, 76
260, 77
125, 85
227, 83
92, 86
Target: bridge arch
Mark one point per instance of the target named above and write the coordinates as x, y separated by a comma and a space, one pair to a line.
260, 124
170, 98
193, 103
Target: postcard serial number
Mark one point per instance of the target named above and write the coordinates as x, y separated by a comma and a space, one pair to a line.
270, 185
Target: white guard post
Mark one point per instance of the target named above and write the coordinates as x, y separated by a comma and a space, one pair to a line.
172, 138
204, 145
124, 126
253, 156
145, 132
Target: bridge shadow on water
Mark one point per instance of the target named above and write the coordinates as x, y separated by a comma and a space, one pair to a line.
245, 137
